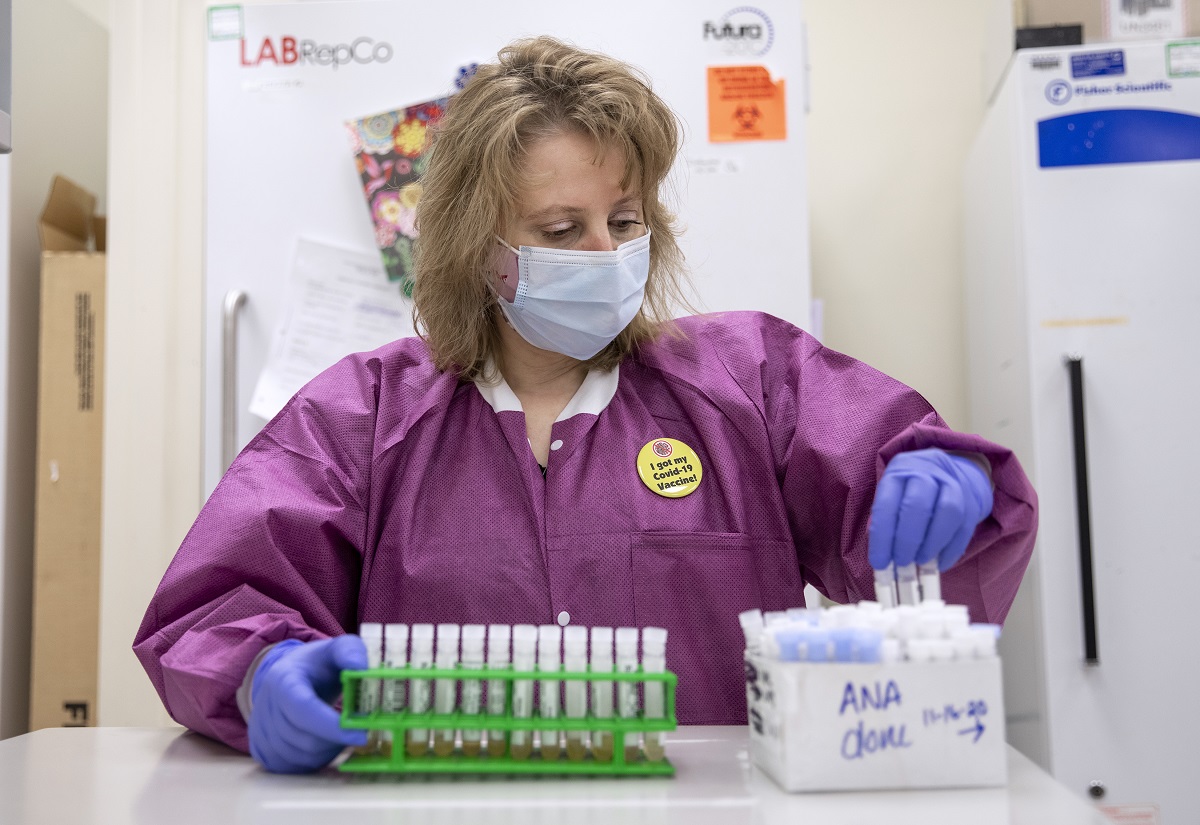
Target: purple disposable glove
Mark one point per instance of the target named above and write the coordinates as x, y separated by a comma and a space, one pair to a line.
293, 728
926, 507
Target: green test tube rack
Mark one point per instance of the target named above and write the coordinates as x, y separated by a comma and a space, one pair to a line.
400, 722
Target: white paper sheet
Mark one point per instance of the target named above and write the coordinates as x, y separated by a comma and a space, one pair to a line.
340, 302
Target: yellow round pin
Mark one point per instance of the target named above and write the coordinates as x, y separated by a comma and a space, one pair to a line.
669, 467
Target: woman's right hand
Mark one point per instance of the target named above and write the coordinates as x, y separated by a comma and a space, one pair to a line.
293, 728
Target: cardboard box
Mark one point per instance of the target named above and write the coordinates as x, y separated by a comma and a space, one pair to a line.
851, 726
66, 586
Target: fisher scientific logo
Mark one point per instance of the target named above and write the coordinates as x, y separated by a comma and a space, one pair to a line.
290, 51
1059, 92
743, 31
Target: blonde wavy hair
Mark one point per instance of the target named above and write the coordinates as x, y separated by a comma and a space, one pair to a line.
537, 88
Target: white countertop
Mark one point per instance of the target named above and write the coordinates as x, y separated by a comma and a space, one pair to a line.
164, 775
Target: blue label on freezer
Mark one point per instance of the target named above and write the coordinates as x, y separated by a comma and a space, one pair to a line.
1092, 64
1118, 136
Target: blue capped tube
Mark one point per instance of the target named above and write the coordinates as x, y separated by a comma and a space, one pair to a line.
842, 639
814, 645
867, 645
787, 639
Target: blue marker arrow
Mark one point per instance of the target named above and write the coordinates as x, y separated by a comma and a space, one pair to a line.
977, 730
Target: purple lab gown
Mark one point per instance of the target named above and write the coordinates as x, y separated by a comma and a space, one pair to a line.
387, 491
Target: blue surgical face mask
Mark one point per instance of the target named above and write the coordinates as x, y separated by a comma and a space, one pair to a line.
573, 302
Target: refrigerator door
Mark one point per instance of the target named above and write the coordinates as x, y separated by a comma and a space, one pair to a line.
280, 167
1107, 164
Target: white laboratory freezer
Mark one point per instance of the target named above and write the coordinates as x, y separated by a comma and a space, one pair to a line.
1083, 298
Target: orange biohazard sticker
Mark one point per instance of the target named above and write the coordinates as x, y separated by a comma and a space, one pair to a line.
745, 104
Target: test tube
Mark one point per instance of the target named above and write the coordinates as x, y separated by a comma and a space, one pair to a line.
654, 660
920, 650
368, 696
839, 615
842, 640
752, 627
941, 650
445, 689
815, 645
907, 617
627, 700
418, 690
524, 656
931, 580
497, 692
575, 641
602, 692
472, 689
784, 642
867, 645
768, 645
983, 637
549, 661
395, 655
956, 617
907, 584
885, 586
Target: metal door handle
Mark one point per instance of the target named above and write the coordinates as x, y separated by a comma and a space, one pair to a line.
234, 300
1091, 653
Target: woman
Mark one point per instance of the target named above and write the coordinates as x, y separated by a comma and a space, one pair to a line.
553, 449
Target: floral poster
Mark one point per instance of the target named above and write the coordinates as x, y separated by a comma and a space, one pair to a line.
391, 151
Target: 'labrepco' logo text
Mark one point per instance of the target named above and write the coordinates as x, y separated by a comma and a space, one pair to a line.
289, 51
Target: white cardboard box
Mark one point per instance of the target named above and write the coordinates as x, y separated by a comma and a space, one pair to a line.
850, 726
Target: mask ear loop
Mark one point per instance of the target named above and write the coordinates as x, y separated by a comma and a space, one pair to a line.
500, 283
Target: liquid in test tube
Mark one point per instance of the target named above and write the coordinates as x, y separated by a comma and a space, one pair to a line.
419, 693
395, 655
627, 700
472, 689
654, 660
445, 689
497, 691
524, 659
368, 698
575, 641
549, 661
602, 692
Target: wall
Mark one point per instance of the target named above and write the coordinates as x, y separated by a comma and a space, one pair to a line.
152, 409
898, 92
60, 116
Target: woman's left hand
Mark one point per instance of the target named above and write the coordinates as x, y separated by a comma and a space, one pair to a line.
927, 505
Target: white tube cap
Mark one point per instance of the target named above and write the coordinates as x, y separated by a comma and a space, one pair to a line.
654, 641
